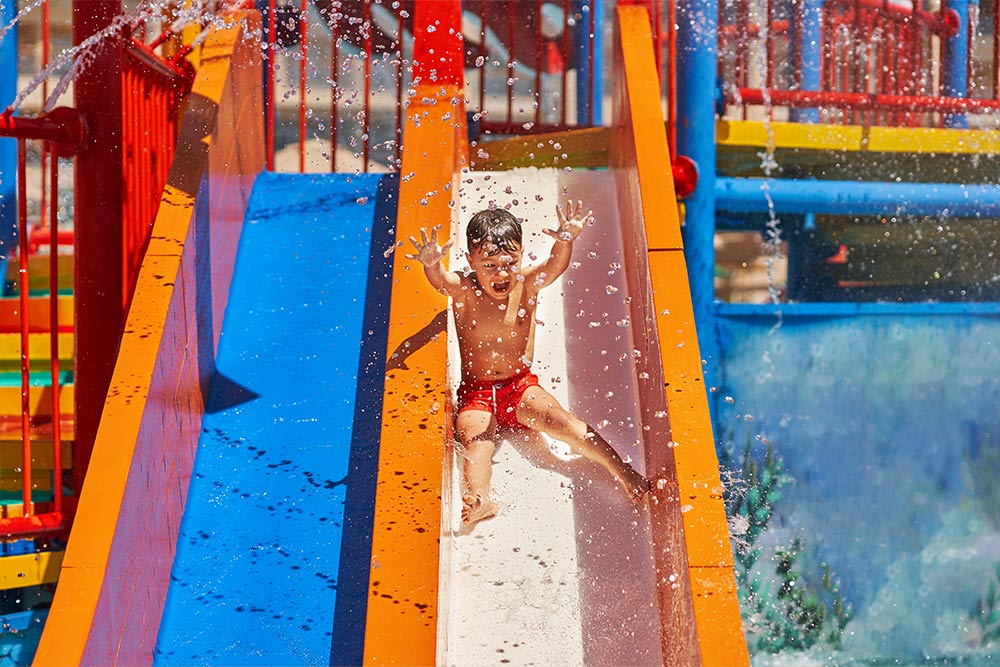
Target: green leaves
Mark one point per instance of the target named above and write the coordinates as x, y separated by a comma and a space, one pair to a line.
794, 614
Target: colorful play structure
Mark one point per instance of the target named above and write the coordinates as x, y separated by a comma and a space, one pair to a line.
227, 435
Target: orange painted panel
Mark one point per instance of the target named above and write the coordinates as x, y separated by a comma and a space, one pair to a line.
716, 606
402, 613
652, 157
641, 158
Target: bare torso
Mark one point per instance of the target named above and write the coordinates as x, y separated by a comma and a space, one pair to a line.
492, 347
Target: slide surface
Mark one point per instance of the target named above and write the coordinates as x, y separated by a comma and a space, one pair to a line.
282, 491
565, 574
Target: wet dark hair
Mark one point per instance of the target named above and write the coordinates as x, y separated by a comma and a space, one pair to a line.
495, 226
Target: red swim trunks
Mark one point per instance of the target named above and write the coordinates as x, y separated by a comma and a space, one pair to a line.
501, 398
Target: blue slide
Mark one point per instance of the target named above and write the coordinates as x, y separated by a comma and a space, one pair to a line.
274, 548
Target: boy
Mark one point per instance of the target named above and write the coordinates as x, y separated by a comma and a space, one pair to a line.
494, 309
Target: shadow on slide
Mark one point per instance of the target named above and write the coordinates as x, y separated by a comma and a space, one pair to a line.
273, 554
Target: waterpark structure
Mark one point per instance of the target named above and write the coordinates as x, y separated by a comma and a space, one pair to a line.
227, 434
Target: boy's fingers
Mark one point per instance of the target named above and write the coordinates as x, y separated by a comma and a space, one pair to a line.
551, 232
447, 245
559, 214
414, 242
408, 256
423, 235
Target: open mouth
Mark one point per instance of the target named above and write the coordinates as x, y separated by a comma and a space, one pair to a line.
501, 287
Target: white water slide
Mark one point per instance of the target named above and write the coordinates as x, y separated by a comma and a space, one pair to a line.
565, 574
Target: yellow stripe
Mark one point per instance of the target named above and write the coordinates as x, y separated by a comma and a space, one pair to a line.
39, 399
584, 148
41, 454
857, 138
30, 569
38, 346
401, 627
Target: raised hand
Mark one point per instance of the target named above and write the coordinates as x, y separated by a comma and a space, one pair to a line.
571, 221
428, 252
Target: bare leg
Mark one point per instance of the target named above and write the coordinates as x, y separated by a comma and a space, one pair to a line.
540, 410
476, 431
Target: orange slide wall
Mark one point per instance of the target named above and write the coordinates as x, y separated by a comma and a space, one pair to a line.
402, 618
115, 574
693, 549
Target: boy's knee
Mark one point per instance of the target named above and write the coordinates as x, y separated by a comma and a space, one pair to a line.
479, 446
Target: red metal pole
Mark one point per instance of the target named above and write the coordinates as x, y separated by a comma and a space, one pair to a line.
22, 281
367, 106
539, 58
98, 223
996, 52
399, 94
271, 56
564, 80
769, 46
591, 58
672, 76
54, 331
486, 64
303, 81
335, 85
511, 31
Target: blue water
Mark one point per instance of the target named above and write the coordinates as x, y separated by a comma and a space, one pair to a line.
886, 420
271, 566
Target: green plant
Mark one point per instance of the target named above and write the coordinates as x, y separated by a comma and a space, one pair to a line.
798, 614
985, 612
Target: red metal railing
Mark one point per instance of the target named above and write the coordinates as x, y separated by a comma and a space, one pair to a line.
520, 59
880, 61
361, 58
59, 132
520, 63
152, 89
153, 86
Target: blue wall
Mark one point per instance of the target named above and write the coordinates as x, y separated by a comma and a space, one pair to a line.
8, 147
887, 419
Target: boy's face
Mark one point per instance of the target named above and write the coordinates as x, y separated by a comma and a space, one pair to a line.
496, 272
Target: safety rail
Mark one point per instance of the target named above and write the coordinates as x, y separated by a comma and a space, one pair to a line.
359, 55
873, 62
60, 133
532, 66
154, 78
153, 86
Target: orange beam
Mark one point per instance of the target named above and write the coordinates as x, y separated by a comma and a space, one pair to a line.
401, 626
720, 639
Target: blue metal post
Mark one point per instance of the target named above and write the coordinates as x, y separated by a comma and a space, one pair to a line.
956, 77
697, 49
590, 12
8, 147
809, 37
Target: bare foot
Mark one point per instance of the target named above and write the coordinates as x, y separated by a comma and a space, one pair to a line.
636, 486
477, 508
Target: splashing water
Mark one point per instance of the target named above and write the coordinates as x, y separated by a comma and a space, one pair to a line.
81, 55
27, 9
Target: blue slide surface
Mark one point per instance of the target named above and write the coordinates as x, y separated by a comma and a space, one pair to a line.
274, 546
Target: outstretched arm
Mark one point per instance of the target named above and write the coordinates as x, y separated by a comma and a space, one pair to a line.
571, 223
430, 254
